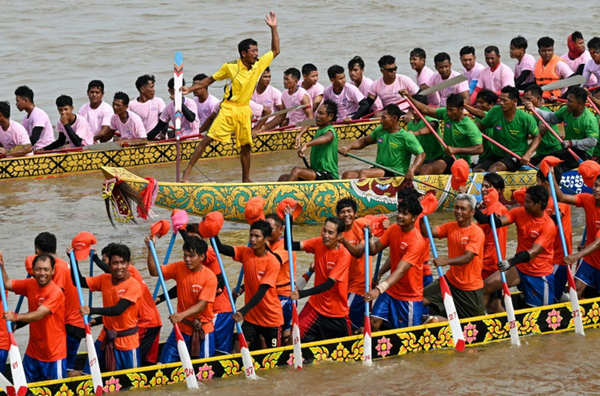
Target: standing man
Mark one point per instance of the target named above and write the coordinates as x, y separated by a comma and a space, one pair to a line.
36, 122
356, 72
494, 77
443, 65
351, 104
386, 88
525, 63
550, 68
147, 106
97, 112
12, 134
235, 114
471, 69
71, 129
424, 73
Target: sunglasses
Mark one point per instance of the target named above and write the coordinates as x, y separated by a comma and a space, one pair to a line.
390, 69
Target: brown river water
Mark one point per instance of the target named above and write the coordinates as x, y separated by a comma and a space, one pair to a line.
57, 47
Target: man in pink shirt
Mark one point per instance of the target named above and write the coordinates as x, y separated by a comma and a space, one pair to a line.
577, 56
97, 112
494, 77
524, 75
310, 82
356, 71
386, 88
189, 120
36, 122
443, 65
592, 67
12, 134
471, 69
207, 105
147, 106
129, 124
266, 94
72, 129
351, 103
417, 59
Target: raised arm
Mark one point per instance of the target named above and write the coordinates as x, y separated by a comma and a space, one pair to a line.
271, 20
7, 282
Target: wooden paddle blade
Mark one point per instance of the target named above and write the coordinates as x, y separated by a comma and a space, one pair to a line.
443, 85
5, 384
247, 361
575, 303
567, 82
186, 361
455, 327
510, 314
16, 366
93, 361
308, 122
107, 146
367, 343
296, 338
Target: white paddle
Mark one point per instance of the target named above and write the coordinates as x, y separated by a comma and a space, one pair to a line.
295, 323
367, 341
567, 82
443, 85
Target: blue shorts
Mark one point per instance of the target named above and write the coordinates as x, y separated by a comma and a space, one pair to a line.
170, 353
286, 307
124, 359
560, 281
398, 313
588, 275
72, 349
538, 290
3, 359
223, 334
36, 370
356, 303
427, 280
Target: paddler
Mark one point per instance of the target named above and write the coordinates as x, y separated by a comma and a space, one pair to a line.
578, 56
12, 134
592, 66
128, 123
525, 63
36, 121
495, 76
72, 129
147, 105
471, 68
206, 104
485, 101
97, 112
356, 71
350, 102
417, 59
189, 120
549, 143
310, 83
443, 66
387, 86
550, 68
235, 114
431, 146
266, 94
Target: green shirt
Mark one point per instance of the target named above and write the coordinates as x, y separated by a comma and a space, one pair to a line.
460, 134
549, 143
512, 135
487, 145
577, 128
431, 145
325, 156
394, 150
597, 148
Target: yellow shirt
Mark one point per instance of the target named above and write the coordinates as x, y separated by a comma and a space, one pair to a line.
243, 80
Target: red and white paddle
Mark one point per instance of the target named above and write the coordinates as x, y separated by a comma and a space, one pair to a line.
367, 341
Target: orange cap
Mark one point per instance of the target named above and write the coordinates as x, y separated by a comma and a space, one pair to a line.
519, 195
160, 228
547, 162
589, 171
429, 203
376, 224
211, 224
460, 173
82, 243
179, 219
491, 201
296, 208
254, 209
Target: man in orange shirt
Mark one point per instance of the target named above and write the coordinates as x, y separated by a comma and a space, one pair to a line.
118, 344
262, 314
531, 268
400, 297
45, 357
325, 314
465, 258
490, 258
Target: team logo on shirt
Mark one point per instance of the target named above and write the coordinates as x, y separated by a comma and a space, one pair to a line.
330, 265
448, 125
403, 245
597, 223
498, 128
121, 293
534, 234
464, 240
196, 289
41, 301
380, 140
260, 274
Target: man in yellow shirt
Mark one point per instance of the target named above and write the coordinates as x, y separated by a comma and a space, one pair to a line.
235, 114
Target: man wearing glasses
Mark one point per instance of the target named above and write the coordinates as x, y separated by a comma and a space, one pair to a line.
386, 88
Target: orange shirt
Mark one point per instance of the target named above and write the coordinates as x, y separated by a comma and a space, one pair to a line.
260, 271
130, 290
530, 230
148, 315
409, 247
565, 210
330, 263
222, 303
356, 274
460, 240
490, 258
592, 222
193, 287
426, 267
4, 342
47, 337
62, 277
283, 277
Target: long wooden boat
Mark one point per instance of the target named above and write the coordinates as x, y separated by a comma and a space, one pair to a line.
386, 344
318, 198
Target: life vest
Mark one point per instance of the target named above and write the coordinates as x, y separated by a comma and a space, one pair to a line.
548, 75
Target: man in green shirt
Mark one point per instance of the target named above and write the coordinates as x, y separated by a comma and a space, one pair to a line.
433, 148
533, 94
512, 129
581, 128
395, 147
486, 99
596, 99
323, 156
461, 135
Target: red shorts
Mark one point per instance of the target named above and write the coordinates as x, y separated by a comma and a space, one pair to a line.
316, 327
149, 339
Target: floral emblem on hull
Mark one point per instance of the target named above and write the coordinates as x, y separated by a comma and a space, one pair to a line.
470, 333
529, 324
205, 372
554, 319
383, 347
112, 385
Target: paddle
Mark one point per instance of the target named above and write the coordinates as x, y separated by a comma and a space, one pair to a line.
304, 279
178, 72
572, 288
455, 327
90, 295
567, 82
16, 364
377, 266
89, 339
443, 85
284, 111
367, 345
107, 146
5, 384
295, 322
579, 160
489, 139
21, 297
184, 354
582, 244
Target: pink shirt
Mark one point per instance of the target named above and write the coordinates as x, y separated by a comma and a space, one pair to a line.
313, 91
527, 63
423, 78
389, 93
187, 128
148, 111
575, 63
347, 101
270, 98
364, 87
98, 117
256, 108
206, 108
497, 79
38, 117
133, 128
292, 100
474, 73
15, 135
444, 93
81, 128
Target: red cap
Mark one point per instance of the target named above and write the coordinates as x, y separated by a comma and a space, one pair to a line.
519, 195
460, 173
547, 162
179, 219
491, 201
254, 209
82, 243
296, 208
160, 228
211, 224
589, 171
429, 204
